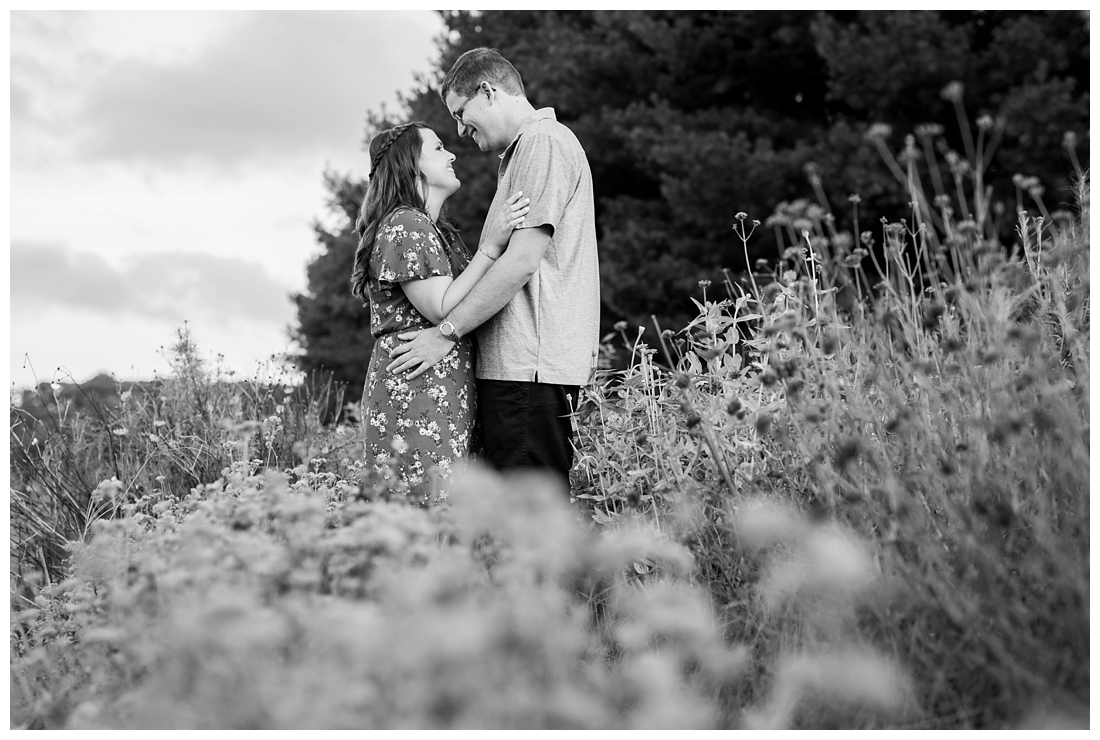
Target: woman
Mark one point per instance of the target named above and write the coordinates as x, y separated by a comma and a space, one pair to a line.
412, 268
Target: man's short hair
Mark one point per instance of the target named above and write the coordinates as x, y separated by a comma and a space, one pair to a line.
477, 65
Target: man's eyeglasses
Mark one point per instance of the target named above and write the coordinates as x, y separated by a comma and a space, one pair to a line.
460, 112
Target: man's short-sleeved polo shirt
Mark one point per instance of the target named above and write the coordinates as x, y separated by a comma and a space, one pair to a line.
549, 331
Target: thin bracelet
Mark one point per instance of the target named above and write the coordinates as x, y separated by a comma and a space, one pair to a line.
491, 259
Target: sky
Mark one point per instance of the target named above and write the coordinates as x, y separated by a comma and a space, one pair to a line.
167, 167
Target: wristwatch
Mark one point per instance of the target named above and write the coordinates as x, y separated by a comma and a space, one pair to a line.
447, 329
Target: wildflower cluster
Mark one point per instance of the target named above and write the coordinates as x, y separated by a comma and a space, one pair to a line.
257, 602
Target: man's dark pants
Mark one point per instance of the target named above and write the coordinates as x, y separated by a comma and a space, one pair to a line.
527, 425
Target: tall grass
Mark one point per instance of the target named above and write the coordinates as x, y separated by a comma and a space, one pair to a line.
78, 455
947, 422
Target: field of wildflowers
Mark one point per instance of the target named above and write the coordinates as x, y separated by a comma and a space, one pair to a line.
852, 493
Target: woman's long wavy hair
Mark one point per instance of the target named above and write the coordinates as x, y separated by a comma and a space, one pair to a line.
395, 182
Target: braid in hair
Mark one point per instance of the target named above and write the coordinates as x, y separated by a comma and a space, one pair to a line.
393, 135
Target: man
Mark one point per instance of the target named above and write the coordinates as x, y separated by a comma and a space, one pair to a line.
537, 309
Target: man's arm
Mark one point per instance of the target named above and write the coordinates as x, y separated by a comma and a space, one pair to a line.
504, 279
511, 272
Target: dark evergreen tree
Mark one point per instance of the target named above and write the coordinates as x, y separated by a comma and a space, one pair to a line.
334, 326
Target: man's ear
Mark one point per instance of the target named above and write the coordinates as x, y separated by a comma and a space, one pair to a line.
484, 88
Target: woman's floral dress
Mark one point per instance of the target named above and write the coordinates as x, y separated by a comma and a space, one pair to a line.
422, 427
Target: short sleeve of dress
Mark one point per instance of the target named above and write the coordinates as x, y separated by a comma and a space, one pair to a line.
408, 247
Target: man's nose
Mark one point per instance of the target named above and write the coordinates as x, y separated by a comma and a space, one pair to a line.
461, 128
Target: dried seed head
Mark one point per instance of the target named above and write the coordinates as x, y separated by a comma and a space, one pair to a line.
1074, 300
846, 452
842, 241
930, 318
929, 130
1024, 381
693, 420
879, 131
952, 92
1004, 428
998, 511
763, 424
1044, 420
733, 406
803, 226
909, 153
683, 380
1026, 334
897, 420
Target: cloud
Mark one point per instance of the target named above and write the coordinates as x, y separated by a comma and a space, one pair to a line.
276, 84
172, 286
20, 101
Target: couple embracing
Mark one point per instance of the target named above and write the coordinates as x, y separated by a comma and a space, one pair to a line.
479, 352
